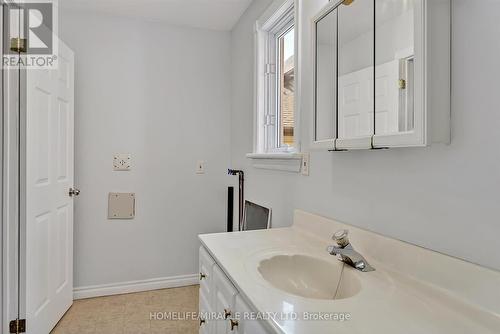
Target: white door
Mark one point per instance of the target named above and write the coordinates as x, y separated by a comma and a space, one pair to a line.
356, 101
355, 109
49, 206
386, 98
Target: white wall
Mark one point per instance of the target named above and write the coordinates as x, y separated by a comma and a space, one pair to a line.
162, 94
262, 186
443, 197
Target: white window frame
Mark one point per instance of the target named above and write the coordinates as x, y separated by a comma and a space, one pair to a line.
279, 18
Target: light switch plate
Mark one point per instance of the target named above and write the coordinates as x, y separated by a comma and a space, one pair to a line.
305, 164
200, 167
122, 162
121, 206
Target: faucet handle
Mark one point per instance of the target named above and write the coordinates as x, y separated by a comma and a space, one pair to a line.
341, 237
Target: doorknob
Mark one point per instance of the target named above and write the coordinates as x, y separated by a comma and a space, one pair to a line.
234, 324
74, 192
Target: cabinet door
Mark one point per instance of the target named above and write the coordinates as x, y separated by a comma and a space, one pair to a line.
398, 60
224, 301
246, 326
206, 323
206, 275
412, 52
325, 78
355, 56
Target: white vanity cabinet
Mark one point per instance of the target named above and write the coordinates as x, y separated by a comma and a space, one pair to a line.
222, 308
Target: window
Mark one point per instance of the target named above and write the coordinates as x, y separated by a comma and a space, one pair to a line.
276, 117
286, 89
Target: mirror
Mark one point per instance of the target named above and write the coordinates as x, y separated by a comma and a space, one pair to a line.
355, 72
395, 66
378, 71
325, 128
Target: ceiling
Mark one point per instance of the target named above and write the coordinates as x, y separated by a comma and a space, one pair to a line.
207, 14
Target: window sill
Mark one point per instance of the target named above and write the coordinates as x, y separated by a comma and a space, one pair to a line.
287, 162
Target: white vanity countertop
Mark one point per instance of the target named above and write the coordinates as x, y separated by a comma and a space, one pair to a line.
413, 290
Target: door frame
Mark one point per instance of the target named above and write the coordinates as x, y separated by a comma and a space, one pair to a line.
10, 203
2, 308
10, 195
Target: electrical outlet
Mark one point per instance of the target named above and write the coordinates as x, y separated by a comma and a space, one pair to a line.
200, 167
122, 162
305, 164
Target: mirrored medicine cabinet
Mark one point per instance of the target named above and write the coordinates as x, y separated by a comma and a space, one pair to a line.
381, 74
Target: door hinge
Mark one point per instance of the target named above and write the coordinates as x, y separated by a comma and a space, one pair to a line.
18, 45
270, 69
18, 326
402, 84
269, 120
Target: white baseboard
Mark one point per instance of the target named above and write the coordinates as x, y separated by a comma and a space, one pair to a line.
134, 286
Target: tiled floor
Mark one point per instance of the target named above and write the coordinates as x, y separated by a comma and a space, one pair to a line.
130, 314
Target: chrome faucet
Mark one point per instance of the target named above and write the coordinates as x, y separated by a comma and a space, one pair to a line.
346, 252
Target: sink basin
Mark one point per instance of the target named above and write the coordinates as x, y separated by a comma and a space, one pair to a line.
310, 277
